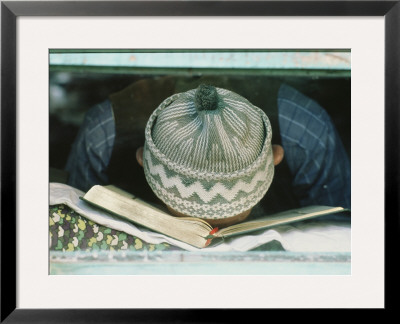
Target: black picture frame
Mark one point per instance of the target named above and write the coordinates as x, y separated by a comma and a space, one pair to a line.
11, 10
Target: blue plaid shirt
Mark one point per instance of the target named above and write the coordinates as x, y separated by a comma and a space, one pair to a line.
313, 150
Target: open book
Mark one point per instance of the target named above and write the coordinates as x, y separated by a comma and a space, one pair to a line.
194, 231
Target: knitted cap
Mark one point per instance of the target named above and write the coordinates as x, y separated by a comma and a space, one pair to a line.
208, 153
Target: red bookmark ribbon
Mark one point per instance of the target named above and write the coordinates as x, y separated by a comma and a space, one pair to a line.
215, 230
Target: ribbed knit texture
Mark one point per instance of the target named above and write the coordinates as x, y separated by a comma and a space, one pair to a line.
208, 153
226, 139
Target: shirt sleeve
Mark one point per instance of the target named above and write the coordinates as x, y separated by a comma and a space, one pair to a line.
313, 150
91, 151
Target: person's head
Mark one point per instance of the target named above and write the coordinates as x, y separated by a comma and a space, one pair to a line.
208, 154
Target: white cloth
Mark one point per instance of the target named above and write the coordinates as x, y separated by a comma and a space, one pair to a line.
318, 235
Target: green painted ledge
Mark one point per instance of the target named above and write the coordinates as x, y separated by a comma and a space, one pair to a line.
201, 263
276, 62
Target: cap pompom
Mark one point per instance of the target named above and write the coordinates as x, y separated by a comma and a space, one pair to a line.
206, 97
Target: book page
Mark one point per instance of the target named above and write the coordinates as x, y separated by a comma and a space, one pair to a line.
187, 230
285, 217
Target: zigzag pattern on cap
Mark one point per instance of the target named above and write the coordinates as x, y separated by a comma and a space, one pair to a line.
197, 188
212, 211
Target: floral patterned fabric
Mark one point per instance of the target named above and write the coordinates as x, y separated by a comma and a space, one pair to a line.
69, 231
